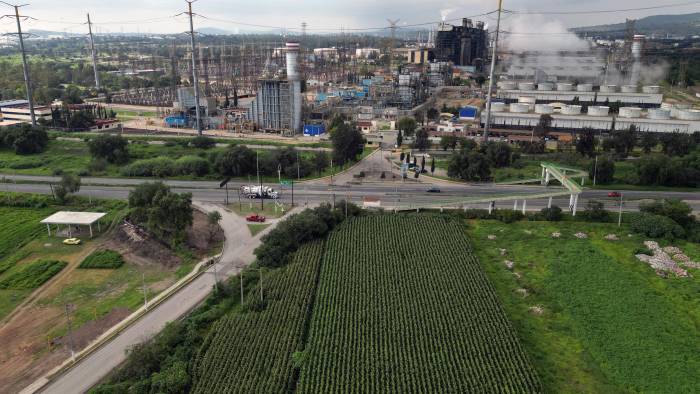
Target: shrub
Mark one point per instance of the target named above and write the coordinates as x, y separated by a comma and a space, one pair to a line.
98, 165
508, 215
103, 259
158, 167
645, 251
595, 212
656, 226
112, 148
32, 275
191, 165
553, 214
24, 139
202, 142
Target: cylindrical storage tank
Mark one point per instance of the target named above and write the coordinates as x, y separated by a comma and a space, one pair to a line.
545, 86
676, 108
689, 114
508, 85
651, 89
666, 105
519, 108
630, 112
544, 109
659, 113
584, 87
526, 86
565, 87
571, 110
608, 88
498, 106
629, 89
598, 110
528, 100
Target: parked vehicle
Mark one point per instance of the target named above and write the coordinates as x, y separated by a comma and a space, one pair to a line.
614, 195
434, 190
253, 217
72, 241
259, 192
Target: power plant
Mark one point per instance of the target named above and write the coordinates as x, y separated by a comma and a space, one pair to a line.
464, 45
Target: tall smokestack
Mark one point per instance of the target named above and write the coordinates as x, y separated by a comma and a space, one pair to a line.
295, 80
637, 42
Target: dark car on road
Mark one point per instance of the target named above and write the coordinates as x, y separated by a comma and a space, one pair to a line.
433, 190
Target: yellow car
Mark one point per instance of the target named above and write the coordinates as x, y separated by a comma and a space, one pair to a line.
72, 241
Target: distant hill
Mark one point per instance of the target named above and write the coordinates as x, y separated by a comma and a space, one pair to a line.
683, 25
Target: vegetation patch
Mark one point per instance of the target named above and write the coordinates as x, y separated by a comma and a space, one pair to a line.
103, 259
32, 275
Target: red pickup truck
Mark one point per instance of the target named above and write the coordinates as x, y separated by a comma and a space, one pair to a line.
255, 218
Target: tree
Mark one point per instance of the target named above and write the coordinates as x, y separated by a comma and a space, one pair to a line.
347, 143
399, 139
402, 156
468, 165
674, 209
624, 141
422, 143
407, 126
604, 172
321, 161
213, 219
166, 214
236, 161
595, 211
543, 125
69, 184
677, 144
422, 164
586, 142
498, 153
408, 157
432, 166
433, 114
553, 214
448, 142
648, 142
202, 142
112, 148
24, 139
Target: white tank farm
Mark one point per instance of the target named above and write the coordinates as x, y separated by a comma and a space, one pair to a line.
676, 108
651, 89
529, 100
598, 110
688, 114
508, 85
584, 87
519, 108
544, 109
629, 89
630, 112
658, 113
571, 110
545, 86
565, 87
498, 106
608, 88
526, 86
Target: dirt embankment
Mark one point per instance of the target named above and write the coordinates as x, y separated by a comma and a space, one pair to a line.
26, 351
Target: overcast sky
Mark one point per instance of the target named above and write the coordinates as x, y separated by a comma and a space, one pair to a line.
319, 14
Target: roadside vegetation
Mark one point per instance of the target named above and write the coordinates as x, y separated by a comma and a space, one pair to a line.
102, 259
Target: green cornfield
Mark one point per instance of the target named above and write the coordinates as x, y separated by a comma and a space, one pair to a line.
251, 352
403, 306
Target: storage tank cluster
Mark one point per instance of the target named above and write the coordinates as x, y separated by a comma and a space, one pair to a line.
582, 87
668, 111
598, 110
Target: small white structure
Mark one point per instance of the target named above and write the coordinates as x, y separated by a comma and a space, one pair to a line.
73, 219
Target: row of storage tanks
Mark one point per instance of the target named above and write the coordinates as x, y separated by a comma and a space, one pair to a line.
667, 110
569, 87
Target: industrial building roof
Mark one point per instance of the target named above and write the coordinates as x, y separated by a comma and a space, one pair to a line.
12, 103
77, 218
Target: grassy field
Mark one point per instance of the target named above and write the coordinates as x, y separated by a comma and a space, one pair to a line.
608, 323
255, 229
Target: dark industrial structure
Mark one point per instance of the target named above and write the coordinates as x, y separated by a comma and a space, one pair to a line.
464, 45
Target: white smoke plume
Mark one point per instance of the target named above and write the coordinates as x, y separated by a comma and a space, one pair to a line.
446, 12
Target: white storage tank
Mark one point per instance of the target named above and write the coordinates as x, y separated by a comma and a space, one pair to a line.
528, 100
689, 114
629, 89
608, 88
526, 86
544, 109
598, 110
630, 112
545, 86
519, 108
659, 113
584, 87
651, 89
677, 108
498, 106
571, 110
666, 106
508, 85
565, 87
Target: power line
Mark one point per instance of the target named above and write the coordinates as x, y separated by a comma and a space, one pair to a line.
25, 66
526, 12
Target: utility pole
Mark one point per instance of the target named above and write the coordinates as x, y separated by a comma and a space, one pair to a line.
619, 217
595, 169
257, 167
195, 77
94, 53
494, 54
71, 347
143, 286
25, 66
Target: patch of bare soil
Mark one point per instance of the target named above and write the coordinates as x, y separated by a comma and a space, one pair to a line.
27, 353
137, 246
202, 237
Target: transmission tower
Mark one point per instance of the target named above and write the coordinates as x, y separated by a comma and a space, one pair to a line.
393, 24
94, 53
25, 66
195, 77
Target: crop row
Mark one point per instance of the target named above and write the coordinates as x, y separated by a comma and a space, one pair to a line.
404, 306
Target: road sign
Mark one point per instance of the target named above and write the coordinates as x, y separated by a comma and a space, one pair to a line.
224, 182
286, 183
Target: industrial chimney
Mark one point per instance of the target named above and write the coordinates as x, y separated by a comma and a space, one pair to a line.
295, 82
637, 42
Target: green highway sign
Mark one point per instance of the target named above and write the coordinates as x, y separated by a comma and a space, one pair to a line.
286, 183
